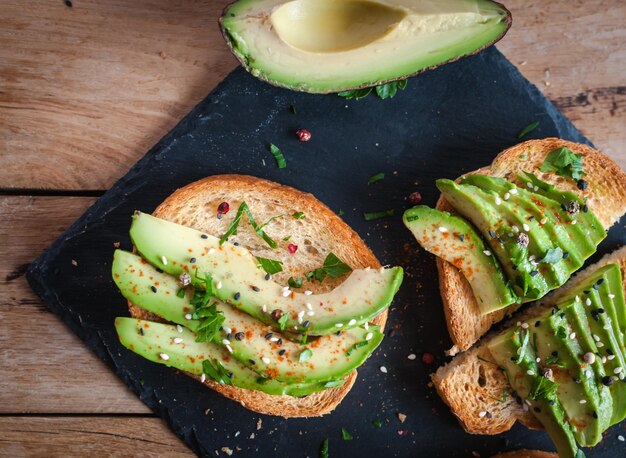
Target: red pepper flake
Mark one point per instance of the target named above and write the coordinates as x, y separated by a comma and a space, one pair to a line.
415, 198
303, 135
292, 248
403, 432
223, 208
428, 358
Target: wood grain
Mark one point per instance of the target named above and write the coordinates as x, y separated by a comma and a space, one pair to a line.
85, 91
44, 367
50, 437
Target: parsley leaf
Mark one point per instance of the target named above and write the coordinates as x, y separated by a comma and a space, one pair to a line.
375, 178
305, 355
333, 267
565, 163
553, 256
282, 321
324, 449
278, 155
377, 215
334, 383
523, 347
304, 340
528, 129
345, 435
542, 388
295, 282
377, 423
215, 370
234, 224
561, 333
356, 346
180, 293
271, 266
553, 360
298, 215
356, 94
389, 90
211, 321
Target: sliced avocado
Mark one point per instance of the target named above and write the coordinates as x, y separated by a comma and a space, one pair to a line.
512, 351
514, 257
325, 46
612, 295
593, 228
252, 343
238, 280
454, 240
156, 342
545, 212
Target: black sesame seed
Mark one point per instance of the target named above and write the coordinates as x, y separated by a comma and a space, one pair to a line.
240, 336
219, 216
513, 359
279, 342
609, 351
600, 281
282, 352
537, 409
230, 375
192, 260
492, 234
531, 217
488, 415
255, 288
236, 243
306, 324
204, 236
141, 331
586, 291
533, 273
607, 380
267, 276
562, 315
339, 333
551, 402
555, 353
252, 361
159, 270
564, 207
565, 254
576, 380
269, 335
596, 286
595, 415
462, 237
585, 208
153, 288
600, 310
595, 315
237, 296
581, 184
229, 336
537, 324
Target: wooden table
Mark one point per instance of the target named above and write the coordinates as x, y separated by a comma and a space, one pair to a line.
86, 90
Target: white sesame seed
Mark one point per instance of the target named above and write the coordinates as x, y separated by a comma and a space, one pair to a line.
538, 359
611, 296
599, 344
524, 325
369, 336
229, 348
529, 185
265, 359
352, 322
498, 200
604, 358
179, 328
588, 373
544, 220
178, 340
618, 370
188, 316
412, 356
622, 376
442, 229
610, 357
574, 221
620, 438
264, 308
211, 250
588, 301
510, 234
531, 258
607, 326
286, 293
487, 252
219, 285
203, 378
589, 358
226, 342
164, 356
529, 372
309, 306
308, 293
513, 190
536, 188
164, 260
525, 407
596, 338
506, 196
285, 288
310, 313
383, 369
482, 414
339, 325
300, 313
366, 325
515, 229
572, 335
583, 401
526, 227
527, 402
227, 330
274, 339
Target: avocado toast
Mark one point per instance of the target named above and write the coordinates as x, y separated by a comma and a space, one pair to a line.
539, 227
271, 361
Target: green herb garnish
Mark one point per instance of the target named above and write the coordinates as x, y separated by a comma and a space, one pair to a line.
305, 355
340, 212
298, 215
305, 338
180, 293
282, 321
214, 370
278, 155
232, 228
523, 347
490, 362
375, 178
528, 129
561, 333
356, 94
565, 163
501, 400
324, 449
553, 256
295, 282
377, 215
553, 360
334, 383
542, 388
356, 346
211, 321
271, 266
345, 435
286, 239
377, 423
333, 267
384, 91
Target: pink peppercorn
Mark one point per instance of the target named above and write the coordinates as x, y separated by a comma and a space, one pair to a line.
303, 135
415, 198
427, 358
292, 248
223, 208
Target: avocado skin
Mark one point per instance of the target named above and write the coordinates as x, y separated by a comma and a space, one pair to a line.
463, 247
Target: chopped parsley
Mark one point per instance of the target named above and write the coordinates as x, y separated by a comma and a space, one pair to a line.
340, 212
553, 256
215, 370
553, 360
305, 338
503, 399
278, 155
298, 215
286, 239
523, 347
369, 216
561, 333
232, 228
542, 388
565, 163
271, 266
376, 178
356, 346
282, 321
324, 449
384, 91
528, 129
305, 355
295, 282
356, 94
211, 321
345, 435
180, 293
377, 423
333, 267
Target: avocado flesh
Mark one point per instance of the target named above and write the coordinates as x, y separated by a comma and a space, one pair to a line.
613, 297
363, 295
504, 349
594, 229
158, 338
461, 246
541, 208
323, 46
471, 203
329, 361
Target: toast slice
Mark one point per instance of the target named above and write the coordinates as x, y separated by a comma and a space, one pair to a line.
473, 387
320, 232
606, 195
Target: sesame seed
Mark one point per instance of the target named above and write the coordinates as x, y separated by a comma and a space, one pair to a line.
227, 330
188, 316
611, 296
498, 200
543, 220
366, 325
211, 250
583, 401
529, 372
255, 288
164, 260
487, 252
529, 185
352, 322
339, 325
203, 378
596, 338
192, 260
269, 335
383, 369
179, 328
620, 438
369, 336
229, 348
264, 308
178, 340
525, 407
310, 313
286, 293
481, 414
285, 288
267, 276
309, 306
226, 341
442, 229
572, 335
412, 356
300, 313
610, 357
204, 236
282, 352
237, 296
536, 188
513, 190
589, 358
506, 196
274, 339
265, 359
308, 293
306, 324
618, 370
515, 229
622, 376
524, 325
606, 326
153, 288
599, 344
588, 301
538, 359
219, 285
164, 356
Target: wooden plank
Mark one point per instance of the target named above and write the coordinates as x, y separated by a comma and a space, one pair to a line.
44, 367
88, 436
87, 90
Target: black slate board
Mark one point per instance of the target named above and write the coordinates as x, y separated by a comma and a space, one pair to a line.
448, 121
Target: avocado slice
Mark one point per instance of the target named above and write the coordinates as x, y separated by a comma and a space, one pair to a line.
513, 351
252, 343
545, 212
323, 46
593, 228
481, 209
454, 240
155, 342
237, 279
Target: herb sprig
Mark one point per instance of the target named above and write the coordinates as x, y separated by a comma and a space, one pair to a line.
564, 162
333, 267
234, 224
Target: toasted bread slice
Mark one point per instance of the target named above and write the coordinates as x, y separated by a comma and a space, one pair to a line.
320, 232
472, 385
606, 195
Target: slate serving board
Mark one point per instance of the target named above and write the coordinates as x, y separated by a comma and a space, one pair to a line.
448, 121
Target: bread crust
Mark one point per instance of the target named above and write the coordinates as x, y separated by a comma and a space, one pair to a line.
606, 197
320, 232
526, 454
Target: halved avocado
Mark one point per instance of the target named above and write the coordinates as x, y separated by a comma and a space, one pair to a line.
254, 344
238, 280
323, 46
